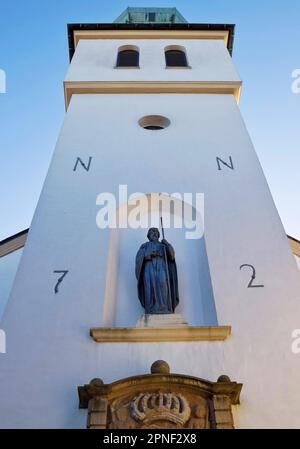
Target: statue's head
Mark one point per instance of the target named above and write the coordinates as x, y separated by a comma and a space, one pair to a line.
153, 234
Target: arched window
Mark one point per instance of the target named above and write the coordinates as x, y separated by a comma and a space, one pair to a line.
175, 57
128, 56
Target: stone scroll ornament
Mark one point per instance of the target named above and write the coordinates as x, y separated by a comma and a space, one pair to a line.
156, 273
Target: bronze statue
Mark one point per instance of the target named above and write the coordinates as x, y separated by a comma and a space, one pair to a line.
156, 273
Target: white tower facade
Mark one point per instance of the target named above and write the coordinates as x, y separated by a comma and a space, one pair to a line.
239, 292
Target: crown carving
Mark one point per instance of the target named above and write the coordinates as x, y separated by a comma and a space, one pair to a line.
150, 407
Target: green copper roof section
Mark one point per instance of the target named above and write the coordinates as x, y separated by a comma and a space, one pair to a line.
150, 15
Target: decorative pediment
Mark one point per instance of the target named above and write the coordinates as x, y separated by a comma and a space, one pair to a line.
160, 400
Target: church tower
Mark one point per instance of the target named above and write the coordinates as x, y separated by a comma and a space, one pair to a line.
153, 120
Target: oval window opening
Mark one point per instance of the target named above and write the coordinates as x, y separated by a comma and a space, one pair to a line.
154, 122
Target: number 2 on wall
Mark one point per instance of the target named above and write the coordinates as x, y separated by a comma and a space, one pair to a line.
253, 276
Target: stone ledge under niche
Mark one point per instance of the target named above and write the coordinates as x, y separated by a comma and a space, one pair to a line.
159, 334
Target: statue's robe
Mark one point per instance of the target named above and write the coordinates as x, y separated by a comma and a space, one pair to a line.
156, 293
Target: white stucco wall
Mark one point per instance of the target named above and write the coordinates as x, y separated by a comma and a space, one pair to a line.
8, 268
95, 60
48, 334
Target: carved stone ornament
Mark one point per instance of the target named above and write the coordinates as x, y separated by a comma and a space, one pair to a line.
160, 400
148, 408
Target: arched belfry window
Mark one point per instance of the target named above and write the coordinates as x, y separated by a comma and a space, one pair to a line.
175, 56
128, 56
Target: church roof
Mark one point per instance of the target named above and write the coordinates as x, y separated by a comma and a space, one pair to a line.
12, 243
150, 15
295, 245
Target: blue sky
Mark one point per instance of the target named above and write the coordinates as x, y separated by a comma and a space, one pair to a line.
34, 55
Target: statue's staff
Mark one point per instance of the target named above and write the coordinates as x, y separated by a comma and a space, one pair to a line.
166, 258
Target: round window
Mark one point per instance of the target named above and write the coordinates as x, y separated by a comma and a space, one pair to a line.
154, 122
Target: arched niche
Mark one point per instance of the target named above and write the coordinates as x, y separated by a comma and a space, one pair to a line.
121, 303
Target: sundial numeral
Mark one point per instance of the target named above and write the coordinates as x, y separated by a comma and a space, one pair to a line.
60, 279
85, 166
253, 276
227, 164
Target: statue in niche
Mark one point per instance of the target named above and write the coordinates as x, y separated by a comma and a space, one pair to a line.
156, 274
